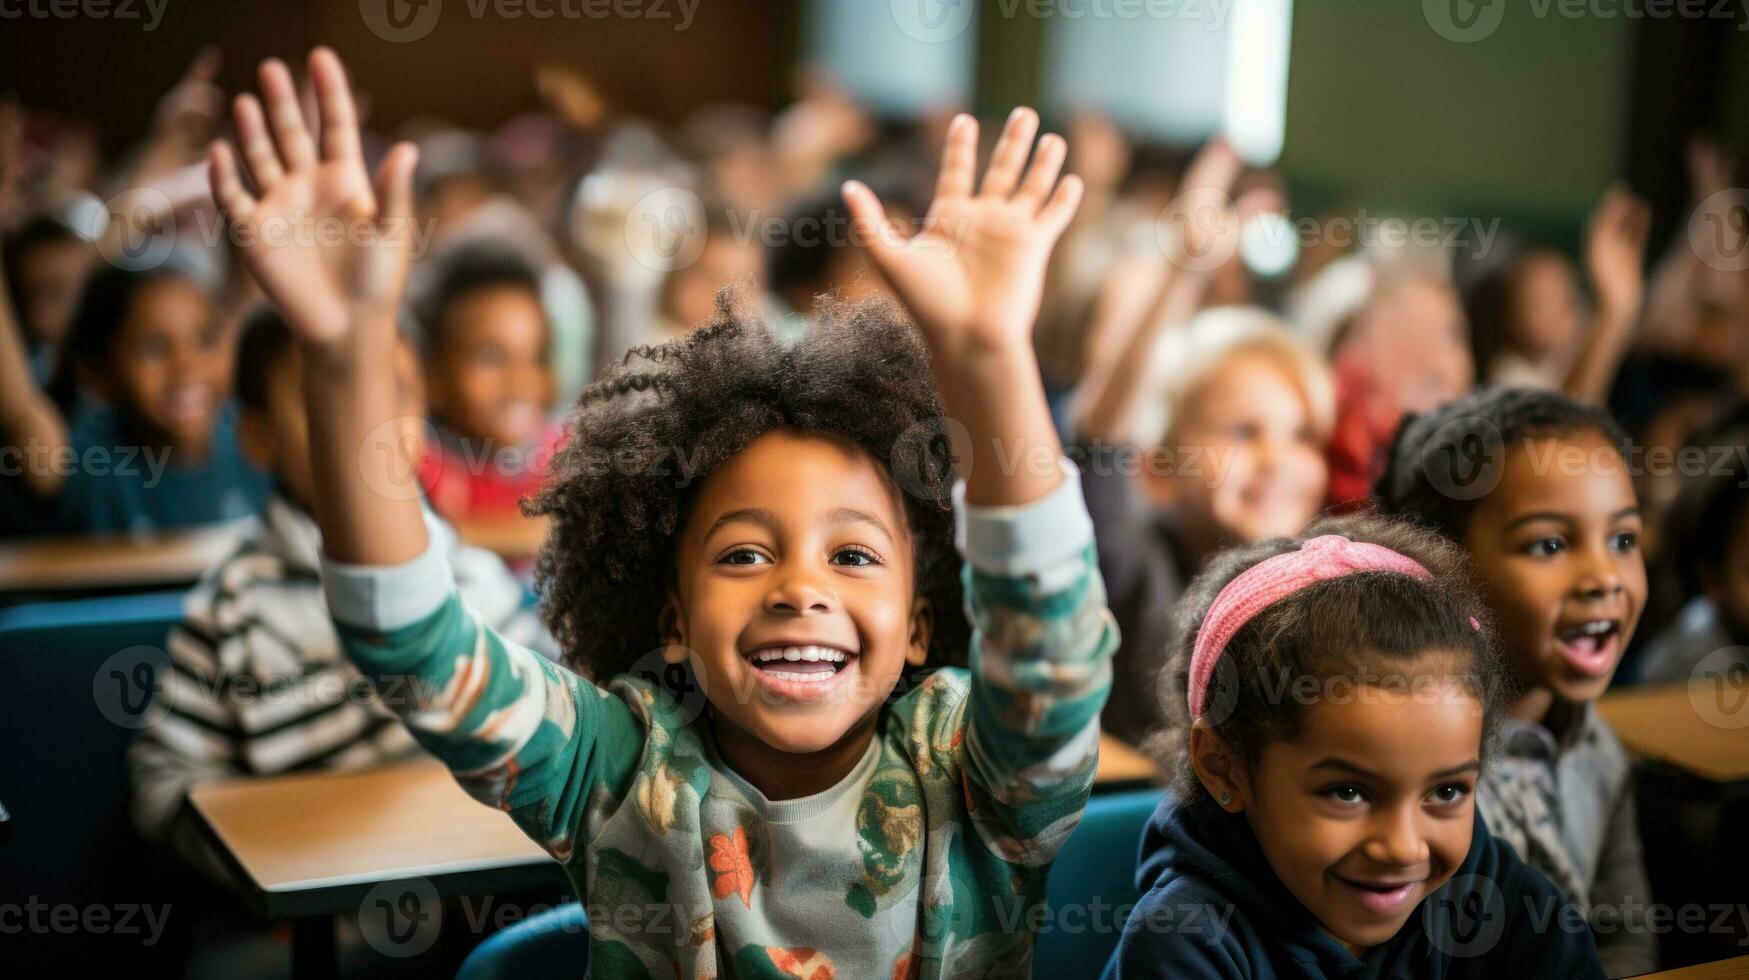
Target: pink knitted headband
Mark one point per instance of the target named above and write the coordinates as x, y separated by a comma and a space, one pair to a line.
1268, 581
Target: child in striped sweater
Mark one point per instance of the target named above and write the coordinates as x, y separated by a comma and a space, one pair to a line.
751, 568
257, 685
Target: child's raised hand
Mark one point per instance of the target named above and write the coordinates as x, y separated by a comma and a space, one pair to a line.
974, 275
1615, 251
328, 248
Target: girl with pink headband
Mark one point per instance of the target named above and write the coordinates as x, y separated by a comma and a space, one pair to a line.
1328, 705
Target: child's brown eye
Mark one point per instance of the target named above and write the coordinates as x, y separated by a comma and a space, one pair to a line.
742, 556
1346, 795
1625, 541
1451, 794
1545, 547
856, 557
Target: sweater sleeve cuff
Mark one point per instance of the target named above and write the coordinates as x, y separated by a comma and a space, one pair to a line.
1025, 539
389, 597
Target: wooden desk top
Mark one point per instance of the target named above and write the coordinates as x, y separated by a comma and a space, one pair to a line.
313, 842
1736, 968
1701, 727
1119, 763
87, 562
512, 537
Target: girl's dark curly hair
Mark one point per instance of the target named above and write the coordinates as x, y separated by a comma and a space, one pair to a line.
1368, 627
1441, 463
651, 428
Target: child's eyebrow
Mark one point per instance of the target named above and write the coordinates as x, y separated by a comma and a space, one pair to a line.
846, 515
754, 515
1474, 765
1338, 764
1625, 512
1541, 515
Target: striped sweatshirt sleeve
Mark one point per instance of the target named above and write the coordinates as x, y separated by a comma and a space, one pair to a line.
1041, 668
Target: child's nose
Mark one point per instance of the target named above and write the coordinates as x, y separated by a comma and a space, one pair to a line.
1599, 574
1397, 840
800, 591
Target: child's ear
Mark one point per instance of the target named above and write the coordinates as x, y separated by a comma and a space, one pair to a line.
671, 627
1217, 768
256, 439
922, 628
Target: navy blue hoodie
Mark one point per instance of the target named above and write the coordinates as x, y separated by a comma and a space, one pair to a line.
1213, 908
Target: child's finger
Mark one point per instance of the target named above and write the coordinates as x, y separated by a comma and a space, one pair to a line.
204, 69
1060, 209
869, 217
296, 149
959, 159
394, 186
1047, 165
334, 103
227, 187
257, 147
1011, 153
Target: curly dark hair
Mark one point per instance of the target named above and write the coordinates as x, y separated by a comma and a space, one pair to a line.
1358, 628
1441, 462
645, 434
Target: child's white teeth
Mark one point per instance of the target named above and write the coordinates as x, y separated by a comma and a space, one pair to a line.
808, 653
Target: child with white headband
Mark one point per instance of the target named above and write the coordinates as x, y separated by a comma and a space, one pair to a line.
1327, 706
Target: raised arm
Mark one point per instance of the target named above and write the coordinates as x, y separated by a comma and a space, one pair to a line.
1208, 222
972, 279
338, 277
1041, 653
1615, 252
27, 418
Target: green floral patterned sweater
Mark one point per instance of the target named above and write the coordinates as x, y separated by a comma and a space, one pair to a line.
924, 862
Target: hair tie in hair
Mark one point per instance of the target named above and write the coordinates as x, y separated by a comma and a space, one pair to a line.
1273, 579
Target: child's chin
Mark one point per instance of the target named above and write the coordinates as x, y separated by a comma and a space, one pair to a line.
800, 737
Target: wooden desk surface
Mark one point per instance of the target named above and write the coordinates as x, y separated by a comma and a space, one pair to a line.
1736, 968
88, 562
313, 842
512, 538
1700, 727
1119, 763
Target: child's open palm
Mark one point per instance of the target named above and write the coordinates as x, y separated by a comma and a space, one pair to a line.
974, 274
328, 248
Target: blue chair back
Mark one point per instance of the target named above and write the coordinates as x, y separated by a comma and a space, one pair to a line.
554, 944
75, 678
1093, 886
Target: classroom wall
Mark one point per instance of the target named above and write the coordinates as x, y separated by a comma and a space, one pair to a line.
1530, 120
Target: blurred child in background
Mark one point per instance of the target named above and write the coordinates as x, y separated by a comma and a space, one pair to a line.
489, 381
1527, 317
142, 404
1535, 487
1239, 413
1396, 339
258, 685
45, 264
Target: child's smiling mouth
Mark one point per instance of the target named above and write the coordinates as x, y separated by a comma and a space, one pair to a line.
1381, 897
1589, 646
800, 671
